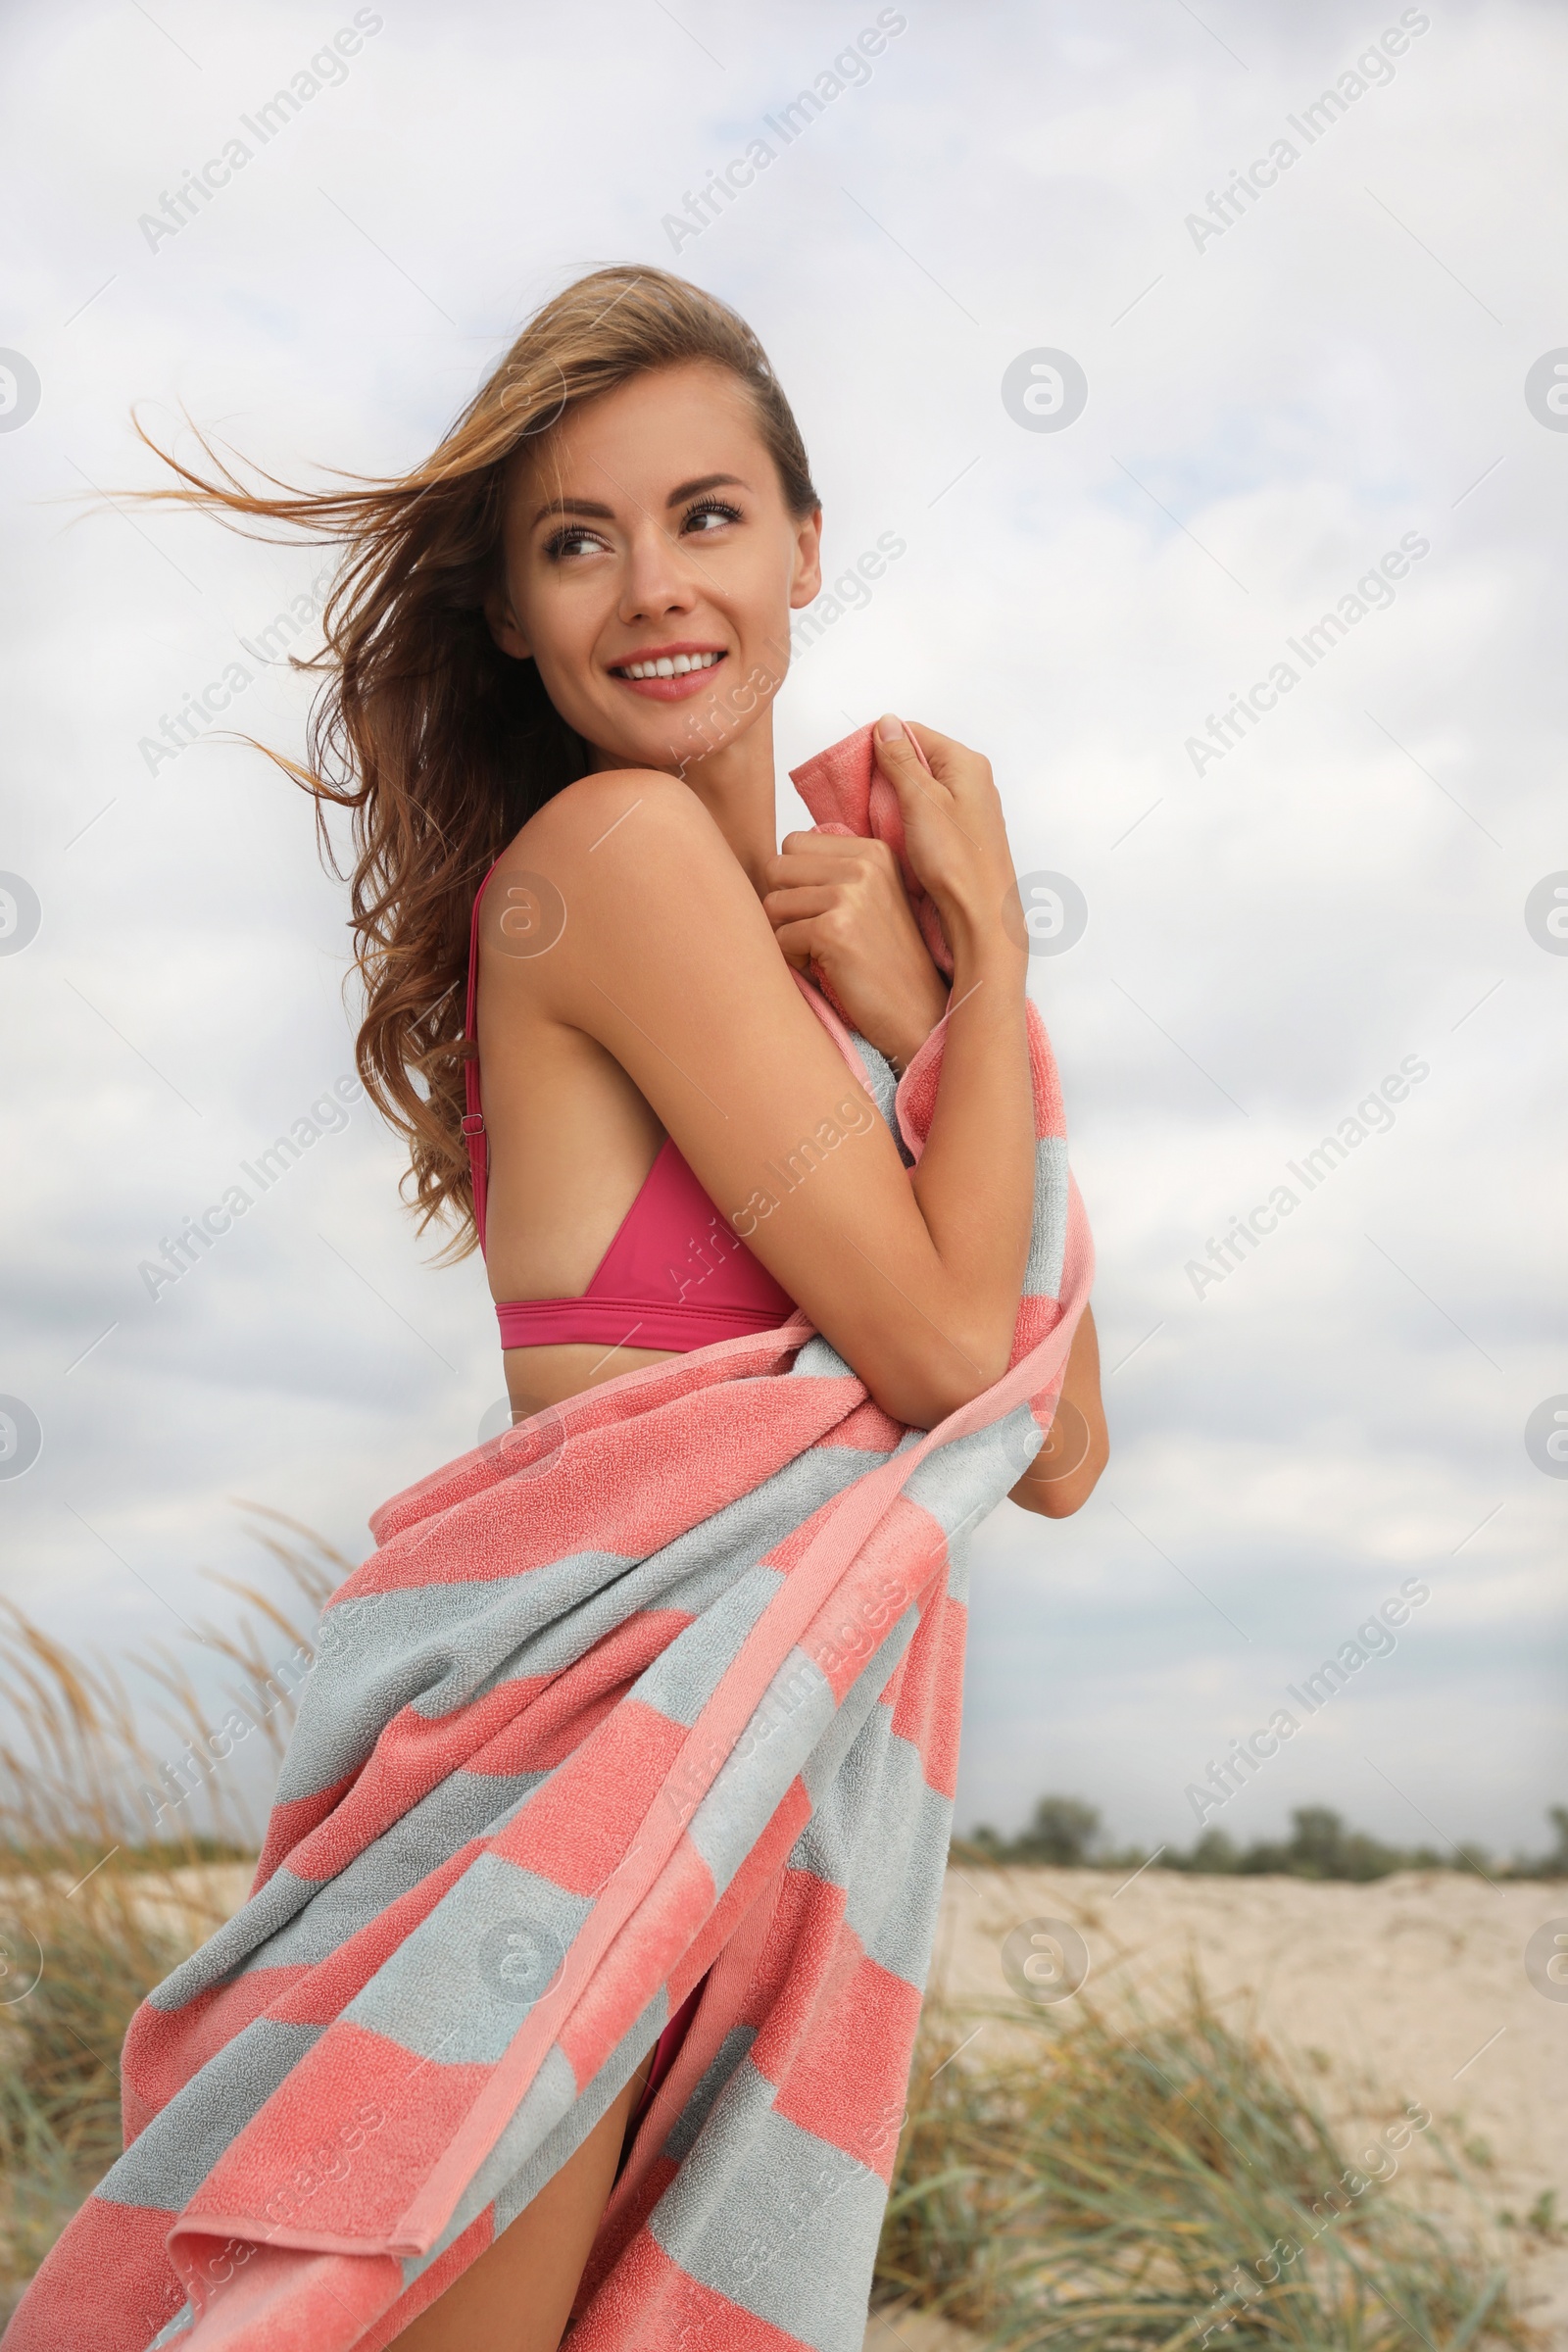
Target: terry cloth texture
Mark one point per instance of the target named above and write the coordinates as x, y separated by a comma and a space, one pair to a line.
657, 1686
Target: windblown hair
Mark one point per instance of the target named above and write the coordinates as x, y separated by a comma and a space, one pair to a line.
440, 745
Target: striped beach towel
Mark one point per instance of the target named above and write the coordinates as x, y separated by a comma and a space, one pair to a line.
658, 1691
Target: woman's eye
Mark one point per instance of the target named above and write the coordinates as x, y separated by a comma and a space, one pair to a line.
569, 543
711, 514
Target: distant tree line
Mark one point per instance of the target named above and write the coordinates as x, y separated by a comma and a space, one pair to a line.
1065, 1831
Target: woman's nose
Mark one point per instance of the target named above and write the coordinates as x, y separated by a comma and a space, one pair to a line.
657, 580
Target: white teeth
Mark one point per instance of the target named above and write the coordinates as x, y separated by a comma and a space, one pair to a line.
670, 666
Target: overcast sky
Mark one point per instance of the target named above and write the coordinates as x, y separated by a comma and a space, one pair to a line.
1276, 402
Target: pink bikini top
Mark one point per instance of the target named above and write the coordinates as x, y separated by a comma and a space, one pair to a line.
676, 1275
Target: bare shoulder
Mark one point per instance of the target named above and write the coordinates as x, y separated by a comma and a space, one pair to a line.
605, 880
575, 823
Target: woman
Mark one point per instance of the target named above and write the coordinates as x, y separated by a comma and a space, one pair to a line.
553, 656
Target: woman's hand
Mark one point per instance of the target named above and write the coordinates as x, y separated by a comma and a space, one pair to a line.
839, 909
956, 837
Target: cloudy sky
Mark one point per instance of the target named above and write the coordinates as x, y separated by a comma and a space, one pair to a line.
1285, 387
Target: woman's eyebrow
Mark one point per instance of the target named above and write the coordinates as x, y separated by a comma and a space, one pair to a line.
576, 506
707, 481
677, 497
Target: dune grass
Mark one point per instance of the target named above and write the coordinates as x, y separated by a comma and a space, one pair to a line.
99, 1900
1163, 2183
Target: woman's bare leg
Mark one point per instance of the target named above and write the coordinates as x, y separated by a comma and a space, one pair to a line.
518, 2296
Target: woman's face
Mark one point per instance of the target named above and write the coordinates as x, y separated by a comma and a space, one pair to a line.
651, 564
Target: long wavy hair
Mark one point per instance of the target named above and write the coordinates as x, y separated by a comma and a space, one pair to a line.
440, 745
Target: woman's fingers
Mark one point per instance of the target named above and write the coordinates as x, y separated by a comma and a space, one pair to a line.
918, 786
894, 750
955, 833
943, 752
826, 873
798, 942
798, 904
811, 874
840, 912
950, 765
834, 855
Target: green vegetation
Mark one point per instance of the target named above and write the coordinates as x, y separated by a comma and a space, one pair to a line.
93, 1913
1065, 1831
1108, 2190
76, 1966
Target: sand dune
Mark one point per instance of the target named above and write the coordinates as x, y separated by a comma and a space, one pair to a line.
1412, 1987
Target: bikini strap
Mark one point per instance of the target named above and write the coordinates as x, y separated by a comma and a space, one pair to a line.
473, 1127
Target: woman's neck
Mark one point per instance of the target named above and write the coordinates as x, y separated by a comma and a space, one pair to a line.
734, 782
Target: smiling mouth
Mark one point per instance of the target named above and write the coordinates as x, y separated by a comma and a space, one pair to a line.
669, 673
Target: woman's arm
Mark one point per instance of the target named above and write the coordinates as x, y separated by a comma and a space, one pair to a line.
668, 960
1066, 1472
838, 907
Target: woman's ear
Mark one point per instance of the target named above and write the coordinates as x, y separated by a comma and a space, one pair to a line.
805, 574
503, 624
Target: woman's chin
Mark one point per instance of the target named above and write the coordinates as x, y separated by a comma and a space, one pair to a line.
666, 738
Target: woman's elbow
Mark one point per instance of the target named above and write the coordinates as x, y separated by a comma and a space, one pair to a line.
924, 1392
1058, 1497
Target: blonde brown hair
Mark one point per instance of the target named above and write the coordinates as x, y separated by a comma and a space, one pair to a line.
441, 746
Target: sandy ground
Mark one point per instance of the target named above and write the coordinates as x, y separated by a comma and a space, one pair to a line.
1413, 1987
909, 2331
